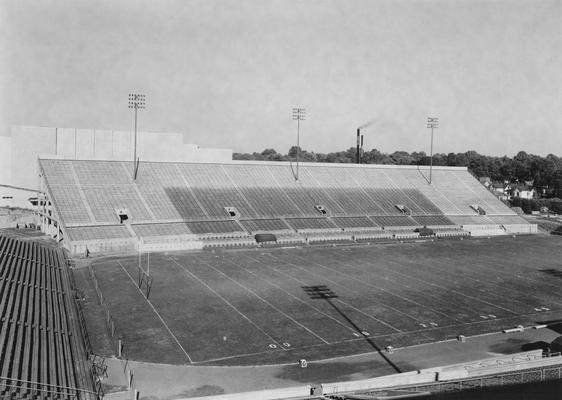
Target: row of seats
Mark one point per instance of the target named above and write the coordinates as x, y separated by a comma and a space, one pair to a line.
37, 342
241, 227
99, 232
92, 191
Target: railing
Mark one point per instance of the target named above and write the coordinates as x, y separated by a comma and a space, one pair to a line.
17, 388
525, 376
115, 339
93, 367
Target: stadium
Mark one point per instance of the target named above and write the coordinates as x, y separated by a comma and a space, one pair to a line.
406, 246
344, 280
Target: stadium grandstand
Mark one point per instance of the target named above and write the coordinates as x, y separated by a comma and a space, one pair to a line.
96, 207
43, 353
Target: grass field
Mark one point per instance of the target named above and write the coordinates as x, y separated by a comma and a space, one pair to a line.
267, 306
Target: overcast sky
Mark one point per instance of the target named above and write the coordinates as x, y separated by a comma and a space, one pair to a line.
227, 73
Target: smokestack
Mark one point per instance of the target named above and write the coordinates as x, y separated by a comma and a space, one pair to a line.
358, 136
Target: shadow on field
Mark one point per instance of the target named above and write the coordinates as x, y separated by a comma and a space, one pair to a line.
552, 272
555, 326
540, 345
322, 292
510, 346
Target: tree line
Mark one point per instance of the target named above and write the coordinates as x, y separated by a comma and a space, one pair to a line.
543, 173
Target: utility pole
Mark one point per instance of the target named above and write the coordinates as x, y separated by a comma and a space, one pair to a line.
137, 102
432, 123
298, 115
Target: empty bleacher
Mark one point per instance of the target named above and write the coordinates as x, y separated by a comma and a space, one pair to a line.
41, 350
394, 221
433, 220
239, 198
265, 225
355, 223
98, 232
312, 224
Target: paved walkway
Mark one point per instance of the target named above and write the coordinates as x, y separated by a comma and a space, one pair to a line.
163, 382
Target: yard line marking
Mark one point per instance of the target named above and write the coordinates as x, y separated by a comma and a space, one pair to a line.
508, 271
395, 272
210, 360
300, 300
346, 288
157, 313
511, 292
376, 287
484, 265
456, 291
268, 303
227, 302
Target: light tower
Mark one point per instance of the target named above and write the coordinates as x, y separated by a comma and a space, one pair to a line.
432, 123
298, 115
136, 101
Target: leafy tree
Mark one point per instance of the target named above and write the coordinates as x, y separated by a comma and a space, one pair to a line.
544, 172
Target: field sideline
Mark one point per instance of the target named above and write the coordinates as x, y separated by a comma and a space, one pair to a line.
269, 306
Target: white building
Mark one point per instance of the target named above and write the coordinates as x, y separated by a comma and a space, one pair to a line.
20, 150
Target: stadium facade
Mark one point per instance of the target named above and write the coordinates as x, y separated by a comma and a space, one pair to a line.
19, 152
96, 206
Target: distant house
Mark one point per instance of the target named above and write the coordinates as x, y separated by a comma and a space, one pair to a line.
486, 181
500, 189
523, 192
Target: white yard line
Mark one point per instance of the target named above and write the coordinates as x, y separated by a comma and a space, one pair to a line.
379, 288
343, 302
158, 314
295, 297
229, 304
271, 305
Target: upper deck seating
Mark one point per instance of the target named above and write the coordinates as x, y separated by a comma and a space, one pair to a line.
89, 193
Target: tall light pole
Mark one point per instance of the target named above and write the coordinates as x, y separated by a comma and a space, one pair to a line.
298, 115
432, 123
136, 101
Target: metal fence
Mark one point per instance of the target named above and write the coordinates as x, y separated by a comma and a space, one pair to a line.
18, 389
514, 378
115, 339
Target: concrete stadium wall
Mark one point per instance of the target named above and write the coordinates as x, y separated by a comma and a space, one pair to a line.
19, 152
27, 144
5, 169
492, 366
403, 379
271, 394
78, 247
5, 160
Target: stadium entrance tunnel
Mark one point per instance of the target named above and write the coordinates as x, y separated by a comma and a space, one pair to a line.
479, 210
232, 212
122, 214
402, 208
320, 208
265, 237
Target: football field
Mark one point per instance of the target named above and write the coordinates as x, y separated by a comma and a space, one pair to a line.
276, 305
